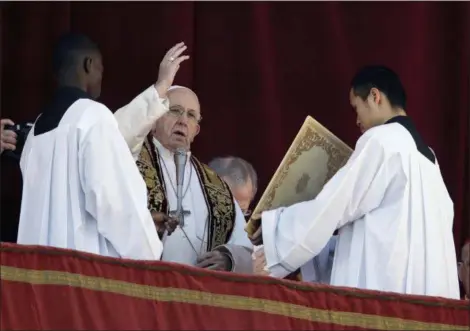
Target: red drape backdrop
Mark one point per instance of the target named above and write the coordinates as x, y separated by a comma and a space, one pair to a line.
259, 69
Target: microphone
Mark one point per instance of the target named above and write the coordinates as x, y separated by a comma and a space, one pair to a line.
180, 163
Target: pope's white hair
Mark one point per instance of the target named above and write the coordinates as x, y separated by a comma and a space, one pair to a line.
176, 87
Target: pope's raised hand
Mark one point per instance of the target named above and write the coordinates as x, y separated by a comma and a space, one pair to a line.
169, 67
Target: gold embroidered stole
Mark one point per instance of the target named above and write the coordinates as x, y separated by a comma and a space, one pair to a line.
219, 199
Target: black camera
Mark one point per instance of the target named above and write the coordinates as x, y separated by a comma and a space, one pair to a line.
22, 131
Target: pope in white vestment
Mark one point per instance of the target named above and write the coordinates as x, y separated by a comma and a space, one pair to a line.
389, 203
215, 222
81, 187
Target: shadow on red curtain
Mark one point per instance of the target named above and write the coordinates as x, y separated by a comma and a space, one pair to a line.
258, 68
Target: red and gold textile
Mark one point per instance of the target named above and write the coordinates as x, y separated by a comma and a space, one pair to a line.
45, 288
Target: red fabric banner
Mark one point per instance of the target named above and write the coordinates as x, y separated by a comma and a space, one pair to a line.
53, 289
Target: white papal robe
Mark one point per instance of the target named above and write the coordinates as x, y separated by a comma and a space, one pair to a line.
185, 246
82, 189
394, 216
135, 122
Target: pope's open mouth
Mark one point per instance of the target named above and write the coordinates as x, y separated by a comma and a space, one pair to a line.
179, 133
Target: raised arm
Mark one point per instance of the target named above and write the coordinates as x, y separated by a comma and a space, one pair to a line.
137, 118
115, 193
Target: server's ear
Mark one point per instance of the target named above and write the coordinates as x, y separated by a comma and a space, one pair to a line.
375, 94
87, 64
374, 99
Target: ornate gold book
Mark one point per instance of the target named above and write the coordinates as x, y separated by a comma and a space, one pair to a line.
313, 158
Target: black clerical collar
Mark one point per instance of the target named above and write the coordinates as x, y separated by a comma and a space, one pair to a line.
72, 91
408, 124
64, 97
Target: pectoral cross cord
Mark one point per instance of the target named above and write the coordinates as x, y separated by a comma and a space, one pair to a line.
173, 212
185, 212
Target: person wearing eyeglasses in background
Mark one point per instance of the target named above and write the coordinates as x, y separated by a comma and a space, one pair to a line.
241, 178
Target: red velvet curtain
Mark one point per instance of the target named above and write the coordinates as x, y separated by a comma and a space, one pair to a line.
259, 70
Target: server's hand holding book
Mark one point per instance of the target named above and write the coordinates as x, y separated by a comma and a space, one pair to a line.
255, 233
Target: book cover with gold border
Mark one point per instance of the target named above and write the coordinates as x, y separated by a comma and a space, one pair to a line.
313, 158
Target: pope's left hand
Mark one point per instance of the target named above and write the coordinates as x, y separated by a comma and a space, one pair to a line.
215, 260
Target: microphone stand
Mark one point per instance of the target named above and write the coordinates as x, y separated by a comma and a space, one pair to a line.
180, 158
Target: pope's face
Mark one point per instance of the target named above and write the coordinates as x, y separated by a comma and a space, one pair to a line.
178, 128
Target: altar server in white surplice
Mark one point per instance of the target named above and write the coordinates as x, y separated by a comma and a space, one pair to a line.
389, 203
81, 187
212, 235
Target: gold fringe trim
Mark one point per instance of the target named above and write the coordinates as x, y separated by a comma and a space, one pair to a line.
376, 322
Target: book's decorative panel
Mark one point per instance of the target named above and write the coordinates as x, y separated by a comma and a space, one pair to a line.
313, 158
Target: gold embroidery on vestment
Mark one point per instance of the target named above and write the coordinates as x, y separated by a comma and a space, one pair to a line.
219, 199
